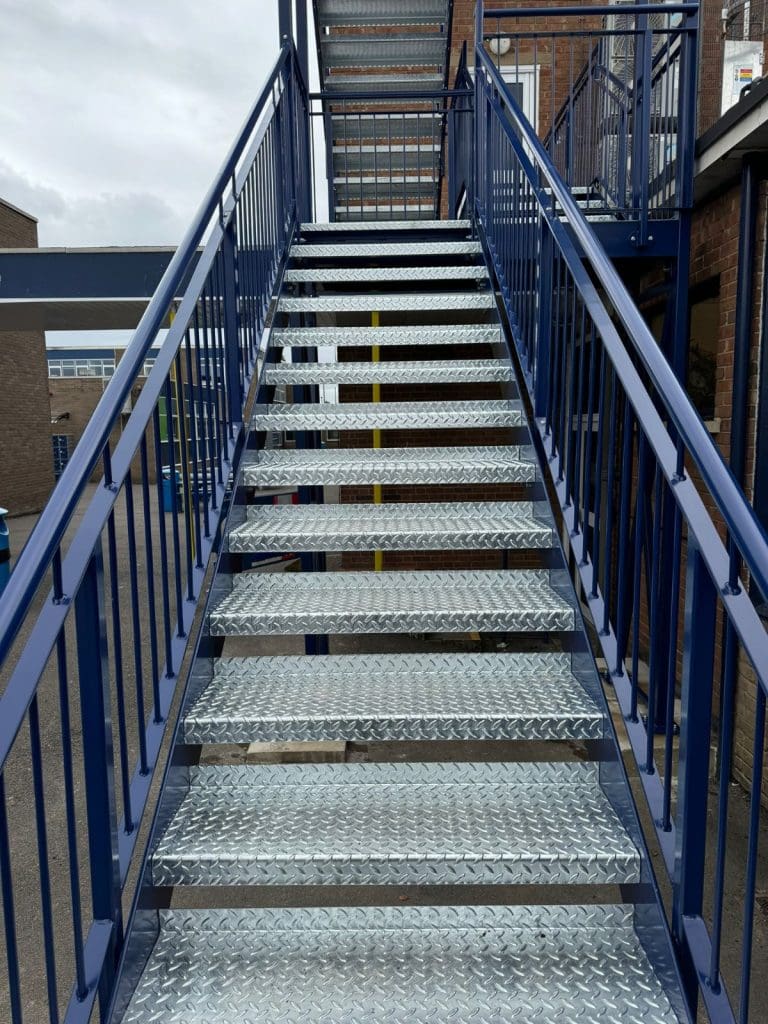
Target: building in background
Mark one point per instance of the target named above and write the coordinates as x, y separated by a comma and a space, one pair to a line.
26, 463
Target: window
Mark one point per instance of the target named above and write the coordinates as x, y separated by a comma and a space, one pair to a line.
100, 368
703, 340
60, 453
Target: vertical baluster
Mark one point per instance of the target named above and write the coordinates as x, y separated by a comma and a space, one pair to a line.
672, 667
117, 641
9, 911
625, 517
189, 511
161, 513
758, 756
138, 661
81, 987
150, 557
197, 496
36, 754
175, 510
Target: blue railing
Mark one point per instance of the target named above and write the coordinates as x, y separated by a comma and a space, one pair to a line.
604, 89
101, 609
645, 497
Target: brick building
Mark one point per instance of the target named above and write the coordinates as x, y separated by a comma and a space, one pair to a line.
26, 465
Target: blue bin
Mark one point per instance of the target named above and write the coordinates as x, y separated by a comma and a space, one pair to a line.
5, 550
168, 484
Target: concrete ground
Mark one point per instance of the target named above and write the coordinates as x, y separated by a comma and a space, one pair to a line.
25, 849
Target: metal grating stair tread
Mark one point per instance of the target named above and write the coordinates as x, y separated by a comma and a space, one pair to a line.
355, 13
311, 337
389, 416
394, 225
355, 275
423, 49
361, 698
425, 372
379, 250
407, 302
502, 464
425, 965
394, 527
384, 83
391, 602
408, 823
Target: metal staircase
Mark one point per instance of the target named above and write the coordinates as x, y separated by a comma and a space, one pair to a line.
545, 826
381, 64
489, 500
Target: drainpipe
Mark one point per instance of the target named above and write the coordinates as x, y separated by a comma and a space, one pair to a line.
742, 339
745, 297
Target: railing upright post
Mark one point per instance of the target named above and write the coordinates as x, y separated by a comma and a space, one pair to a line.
98, 762
695, 724
540, 366
232, 323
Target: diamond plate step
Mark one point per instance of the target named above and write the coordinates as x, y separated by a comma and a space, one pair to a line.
425, 49
389, 416
362, 698
427, 372
311, 337
378, 250
501, 464
359, 275
354, 13
407, 302
396, 824
424, 965
355, 275
389, 225
499, 525
487, 601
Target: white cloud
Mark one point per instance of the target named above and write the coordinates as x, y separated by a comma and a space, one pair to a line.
114, 117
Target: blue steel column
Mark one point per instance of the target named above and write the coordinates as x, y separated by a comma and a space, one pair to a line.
98, 762
285, 19
696, 721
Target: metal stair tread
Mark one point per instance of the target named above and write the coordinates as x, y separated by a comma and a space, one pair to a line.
406, 302
360, 698
377, 250
434, 823
425, 965
312, 337
391, 602
389, 415
393, 225
442, 371
353, 13
333, 275
393, 527
384, 83
501, 464
393, 49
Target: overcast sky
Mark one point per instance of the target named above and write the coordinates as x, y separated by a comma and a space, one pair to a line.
115, 115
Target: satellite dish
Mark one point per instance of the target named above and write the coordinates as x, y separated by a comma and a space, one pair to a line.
500, 45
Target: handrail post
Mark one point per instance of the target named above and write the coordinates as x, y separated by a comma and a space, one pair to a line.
541, 359
695, 724
232, 353
98, 762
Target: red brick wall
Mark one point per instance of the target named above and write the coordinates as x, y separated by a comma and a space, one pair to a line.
26, 459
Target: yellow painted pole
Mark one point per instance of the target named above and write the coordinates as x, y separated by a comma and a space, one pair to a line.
378, 556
